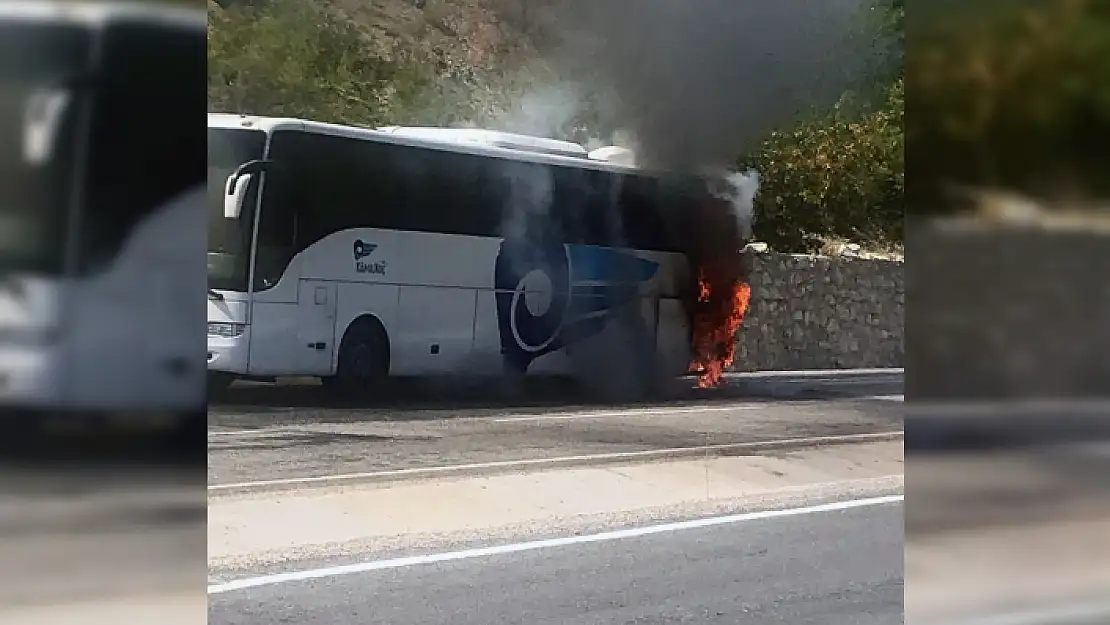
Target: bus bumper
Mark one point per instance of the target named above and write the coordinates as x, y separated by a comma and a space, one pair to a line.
229, 354
30, 377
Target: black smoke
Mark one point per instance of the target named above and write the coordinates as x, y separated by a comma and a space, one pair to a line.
697, 83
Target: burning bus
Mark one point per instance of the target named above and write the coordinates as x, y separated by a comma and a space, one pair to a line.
432, 251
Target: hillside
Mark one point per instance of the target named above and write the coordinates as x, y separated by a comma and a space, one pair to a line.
800, 90
373, 61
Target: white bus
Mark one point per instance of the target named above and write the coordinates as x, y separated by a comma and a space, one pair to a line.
101, 208
356, 254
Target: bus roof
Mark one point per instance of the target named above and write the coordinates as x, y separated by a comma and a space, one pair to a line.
97, 14
492, 138
478, 142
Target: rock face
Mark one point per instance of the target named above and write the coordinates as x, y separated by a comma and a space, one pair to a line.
822, 312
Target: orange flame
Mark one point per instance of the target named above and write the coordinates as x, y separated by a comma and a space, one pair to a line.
720, 313
716, 308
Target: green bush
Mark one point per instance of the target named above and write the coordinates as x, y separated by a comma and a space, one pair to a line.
834, 177
1011, 93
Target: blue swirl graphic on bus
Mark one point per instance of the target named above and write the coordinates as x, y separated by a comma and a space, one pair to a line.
550, 294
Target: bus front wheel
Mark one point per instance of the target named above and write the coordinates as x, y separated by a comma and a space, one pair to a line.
363, 362
219, 382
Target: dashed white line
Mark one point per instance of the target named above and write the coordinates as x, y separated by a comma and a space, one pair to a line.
564, 460
396, 563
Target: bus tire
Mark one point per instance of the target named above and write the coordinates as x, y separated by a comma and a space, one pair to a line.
363, 362
219, 382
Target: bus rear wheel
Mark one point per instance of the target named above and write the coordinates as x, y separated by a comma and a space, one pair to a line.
363, 362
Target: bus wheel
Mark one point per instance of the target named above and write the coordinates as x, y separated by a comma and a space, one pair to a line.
218, 382
363, 358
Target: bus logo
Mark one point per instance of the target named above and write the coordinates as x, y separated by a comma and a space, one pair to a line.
363, 250
550, 294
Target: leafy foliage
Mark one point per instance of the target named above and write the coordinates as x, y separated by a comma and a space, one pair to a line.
1011, 94
841, 174
833, 177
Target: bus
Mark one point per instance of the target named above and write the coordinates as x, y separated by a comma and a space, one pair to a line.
355, 255
101, 209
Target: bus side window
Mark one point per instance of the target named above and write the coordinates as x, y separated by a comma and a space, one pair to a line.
641, 214
601, 221
571, 203
527, 198
282, 192
446, 192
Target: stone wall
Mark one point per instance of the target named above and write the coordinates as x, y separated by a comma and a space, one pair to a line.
1010, 312
820, 312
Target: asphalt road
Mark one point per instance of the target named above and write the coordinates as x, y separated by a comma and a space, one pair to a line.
70, 535
254, 443
971, 509
824, 568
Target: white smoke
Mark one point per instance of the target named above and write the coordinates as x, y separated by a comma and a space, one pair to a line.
545, 111
739, 190
529, 200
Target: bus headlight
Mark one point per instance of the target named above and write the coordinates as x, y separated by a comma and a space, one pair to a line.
225, 329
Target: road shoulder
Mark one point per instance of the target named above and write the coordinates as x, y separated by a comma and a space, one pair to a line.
274, 531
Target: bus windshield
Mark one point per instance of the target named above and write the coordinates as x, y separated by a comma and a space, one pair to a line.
41, 68
229, 239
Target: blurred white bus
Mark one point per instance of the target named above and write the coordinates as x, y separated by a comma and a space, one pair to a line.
355, 254
101, 207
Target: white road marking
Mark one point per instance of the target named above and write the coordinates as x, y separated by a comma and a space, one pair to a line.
396, 563
817, 373
508, 464
631, 412
1069, 614
900, 398
245, 432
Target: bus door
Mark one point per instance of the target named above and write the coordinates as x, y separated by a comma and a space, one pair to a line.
315, 327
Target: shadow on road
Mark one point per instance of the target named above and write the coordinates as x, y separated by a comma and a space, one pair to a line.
545, 394
933, 427
77, 443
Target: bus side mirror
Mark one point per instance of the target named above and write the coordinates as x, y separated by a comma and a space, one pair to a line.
237, 185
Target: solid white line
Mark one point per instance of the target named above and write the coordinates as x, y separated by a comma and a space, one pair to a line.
811, 373
626, 455
631, 412
364, 567
900, 398
245, 432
